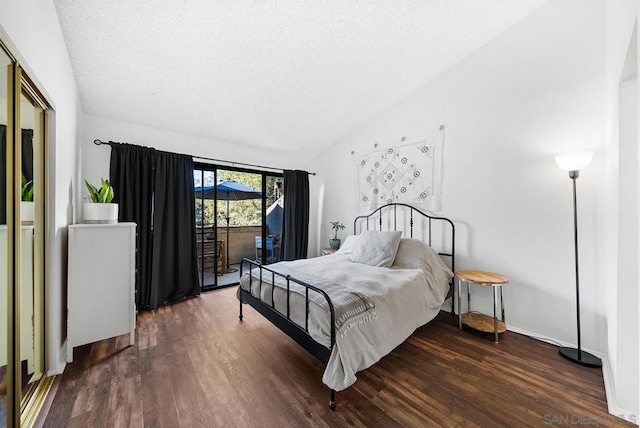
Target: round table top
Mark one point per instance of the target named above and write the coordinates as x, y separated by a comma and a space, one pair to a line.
482, 277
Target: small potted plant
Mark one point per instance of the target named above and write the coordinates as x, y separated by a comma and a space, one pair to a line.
27, 213
100, 209
335, 242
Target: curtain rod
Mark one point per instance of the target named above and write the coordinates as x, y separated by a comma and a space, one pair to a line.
99, 142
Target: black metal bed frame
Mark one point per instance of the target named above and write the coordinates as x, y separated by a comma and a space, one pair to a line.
300, 334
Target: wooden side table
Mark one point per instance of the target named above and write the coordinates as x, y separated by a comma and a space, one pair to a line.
327, 251
477, 320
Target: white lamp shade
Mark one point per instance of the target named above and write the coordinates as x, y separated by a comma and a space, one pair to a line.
574, 161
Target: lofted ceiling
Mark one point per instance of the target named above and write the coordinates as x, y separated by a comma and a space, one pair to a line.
287, 75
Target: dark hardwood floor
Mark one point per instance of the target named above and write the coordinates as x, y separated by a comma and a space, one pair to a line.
195, 365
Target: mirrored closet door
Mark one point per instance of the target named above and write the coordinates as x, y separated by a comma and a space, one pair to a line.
31, 240
23, 128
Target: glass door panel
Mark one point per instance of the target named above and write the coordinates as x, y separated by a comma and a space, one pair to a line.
274, 211
210, 250
239, 202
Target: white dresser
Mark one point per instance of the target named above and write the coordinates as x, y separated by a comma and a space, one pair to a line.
101, 296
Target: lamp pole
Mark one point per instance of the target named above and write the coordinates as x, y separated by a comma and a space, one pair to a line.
574, 175
577, 355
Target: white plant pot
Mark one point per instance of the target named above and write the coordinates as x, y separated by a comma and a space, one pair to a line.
27, 212
100, 213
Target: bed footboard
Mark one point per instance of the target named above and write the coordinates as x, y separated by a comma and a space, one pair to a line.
300, 334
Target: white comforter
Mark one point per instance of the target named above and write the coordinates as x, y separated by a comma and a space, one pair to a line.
404, 300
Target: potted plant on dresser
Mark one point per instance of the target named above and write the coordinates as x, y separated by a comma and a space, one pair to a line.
334, 242
27, 213
100, 210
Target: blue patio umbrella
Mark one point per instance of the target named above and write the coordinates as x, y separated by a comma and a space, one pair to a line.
228, 190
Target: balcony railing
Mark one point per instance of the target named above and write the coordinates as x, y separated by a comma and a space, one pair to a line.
242, 240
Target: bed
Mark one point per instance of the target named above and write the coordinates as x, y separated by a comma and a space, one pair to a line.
351, 308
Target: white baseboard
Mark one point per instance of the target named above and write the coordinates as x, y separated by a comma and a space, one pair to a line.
550, 340
611, 396
62, 361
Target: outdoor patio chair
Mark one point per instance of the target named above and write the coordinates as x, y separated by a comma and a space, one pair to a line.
272, 248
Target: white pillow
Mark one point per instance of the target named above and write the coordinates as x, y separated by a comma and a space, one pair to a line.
348, 244
414, 254
376, 248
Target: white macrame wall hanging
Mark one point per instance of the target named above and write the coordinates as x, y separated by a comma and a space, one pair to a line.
410, 172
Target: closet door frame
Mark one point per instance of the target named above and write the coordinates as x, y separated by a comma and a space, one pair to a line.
32, 401
13, 393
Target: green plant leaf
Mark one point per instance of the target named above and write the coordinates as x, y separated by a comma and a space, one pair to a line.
26, 192
104, 195
28, 195
109, 197
336, 225
93, 192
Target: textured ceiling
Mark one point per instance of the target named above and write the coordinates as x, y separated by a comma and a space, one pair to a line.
287, 75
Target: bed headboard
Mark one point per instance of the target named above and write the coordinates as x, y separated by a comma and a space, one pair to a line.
438, 232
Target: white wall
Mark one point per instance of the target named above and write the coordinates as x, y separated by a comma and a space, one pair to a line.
533, 92
31, 29
621, 234
547, 86
95, 159
627, 290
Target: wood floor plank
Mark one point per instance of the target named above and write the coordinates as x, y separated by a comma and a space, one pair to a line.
125, 405
194, 364
159, 407
95, 387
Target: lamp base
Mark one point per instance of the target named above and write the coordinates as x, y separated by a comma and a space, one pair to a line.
584, 358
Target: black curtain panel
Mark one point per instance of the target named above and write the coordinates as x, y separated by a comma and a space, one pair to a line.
132, 175
174, 263
156, 191
3, 176
295, 222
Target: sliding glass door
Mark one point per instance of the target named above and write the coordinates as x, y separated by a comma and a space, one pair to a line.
238, 215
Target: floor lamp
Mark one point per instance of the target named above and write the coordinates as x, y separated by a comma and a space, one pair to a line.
574, 162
